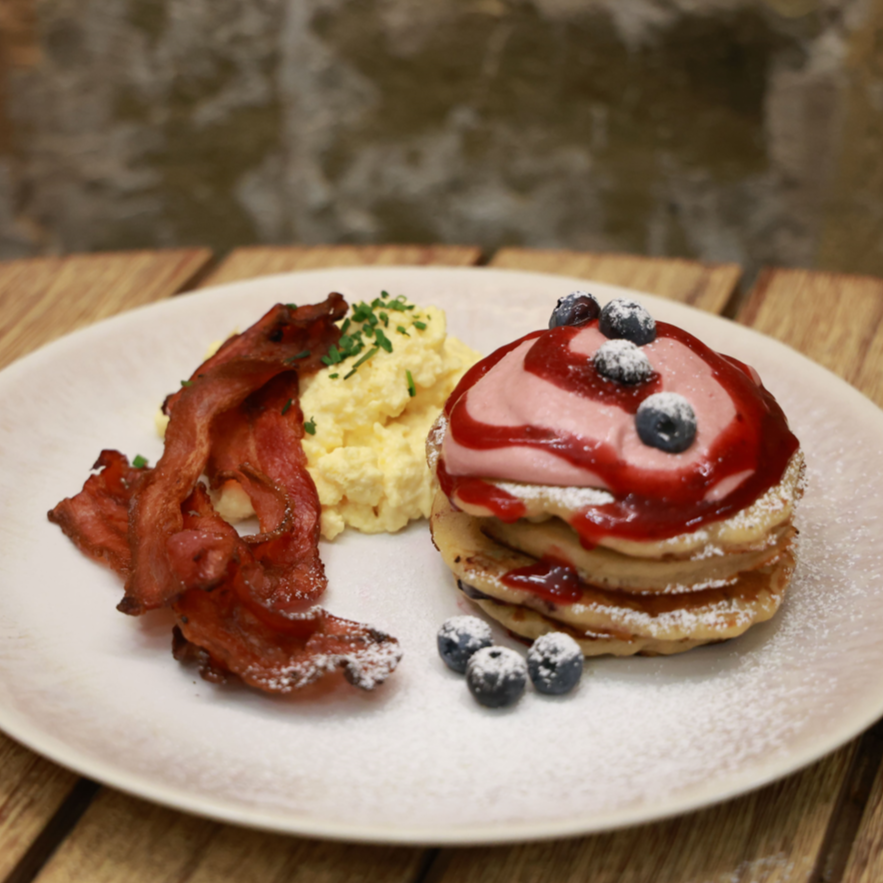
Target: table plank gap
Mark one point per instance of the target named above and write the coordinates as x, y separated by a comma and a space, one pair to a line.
709, 287
253, 261
56, 829
758, 838
123, 838
865, 860
844, 841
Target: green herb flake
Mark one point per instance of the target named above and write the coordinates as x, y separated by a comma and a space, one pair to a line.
310, 426
396, 305
345, 327
186, 383
303, 354
286, 407
382, 340
140, 462
385, 319
402, 330
334, 376
371, 352
412, 389
291, 306
420, 325
384, 294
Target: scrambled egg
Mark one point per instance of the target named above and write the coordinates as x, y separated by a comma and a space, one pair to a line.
367, 417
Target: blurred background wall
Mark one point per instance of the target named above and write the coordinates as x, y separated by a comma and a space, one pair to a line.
743, 130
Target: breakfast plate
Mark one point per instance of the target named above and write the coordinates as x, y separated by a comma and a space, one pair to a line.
418, 761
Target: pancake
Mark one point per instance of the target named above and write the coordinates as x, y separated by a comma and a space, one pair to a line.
556, 513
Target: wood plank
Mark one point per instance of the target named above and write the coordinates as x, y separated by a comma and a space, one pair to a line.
764, 837
705, 286
839, 323
41, 299
263, 260
865, 858
121, 837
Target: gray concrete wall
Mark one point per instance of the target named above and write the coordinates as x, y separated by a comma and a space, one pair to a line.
744, 130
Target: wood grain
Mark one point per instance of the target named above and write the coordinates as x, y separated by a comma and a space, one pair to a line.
765, 837
43, 298
122, 839
705, 286
865, 860
39, 300
834, 319
246, 263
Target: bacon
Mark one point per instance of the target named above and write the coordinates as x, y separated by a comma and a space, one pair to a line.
240, 603
244, 364
97, 518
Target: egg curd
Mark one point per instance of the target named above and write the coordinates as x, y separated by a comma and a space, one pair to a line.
367, 415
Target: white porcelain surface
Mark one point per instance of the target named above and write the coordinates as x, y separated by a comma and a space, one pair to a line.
418, 761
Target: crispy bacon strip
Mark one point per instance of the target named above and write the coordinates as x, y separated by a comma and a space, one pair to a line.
244, 364
238, 601
223, 626
97, 518
265, 433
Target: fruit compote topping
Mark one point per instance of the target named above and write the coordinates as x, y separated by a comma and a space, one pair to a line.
610, 399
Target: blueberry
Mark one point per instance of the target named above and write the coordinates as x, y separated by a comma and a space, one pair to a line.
575, 309
460, 637
627, 319
666, 421
496, 676
555, 663
622, 361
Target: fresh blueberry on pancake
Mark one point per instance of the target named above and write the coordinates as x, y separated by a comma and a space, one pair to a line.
574, 309
627, 319
635, 512
622, 362
666, 421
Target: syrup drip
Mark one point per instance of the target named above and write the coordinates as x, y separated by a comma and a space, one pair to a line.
650, 505
549, 579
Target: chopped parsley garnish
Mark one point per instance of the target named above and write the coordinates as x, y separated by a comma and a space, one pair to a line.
364, 328
291, 306
310, 426
286, 407
371, 352
412, 389
140, 462
186, 383
303, 354
420, 325
382, 340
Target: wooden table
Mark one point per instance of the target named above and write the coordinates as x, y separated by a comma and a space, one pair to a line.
822, 824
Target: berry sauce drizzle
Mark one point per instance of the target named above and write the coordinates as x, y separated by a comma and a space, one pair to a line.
649, 505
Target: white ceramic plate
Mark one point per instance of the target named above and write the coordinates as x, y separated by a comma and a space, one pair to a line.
418, 761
